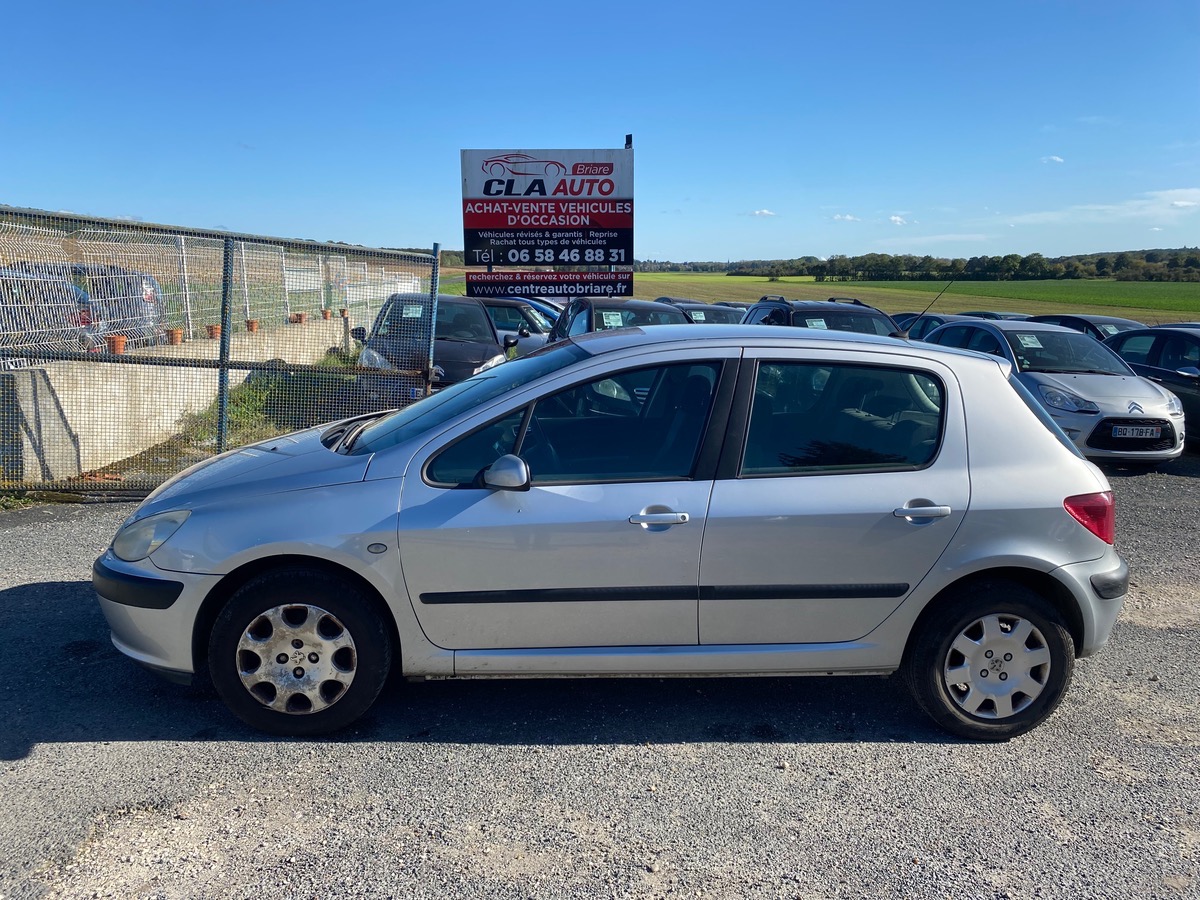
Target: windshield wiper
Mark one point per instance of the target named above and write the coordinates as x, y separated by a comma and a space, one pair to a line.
352, 435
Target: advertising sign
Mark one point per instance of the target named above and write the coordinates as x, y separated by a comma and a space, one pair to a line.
547, 207
556, 285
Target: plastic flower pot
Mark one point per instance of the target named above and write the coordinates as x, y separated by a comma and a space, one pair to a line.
252, 325
326, 313
115, 342
214, 331
174, 336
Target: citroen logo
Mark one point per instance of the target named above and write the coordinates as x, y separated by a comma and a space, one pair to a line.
1135, 407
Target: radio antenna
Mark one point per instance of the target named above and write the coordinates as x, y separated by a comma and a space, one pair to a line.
903, 332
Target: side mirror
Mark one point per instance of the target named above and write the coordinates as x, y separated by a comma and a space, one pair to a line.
1190, 371
508, 473
359, 333
523, 331
511, 340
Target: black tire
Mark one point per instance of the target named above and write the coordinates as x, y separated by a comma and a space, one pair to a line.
1012, 652
299, 652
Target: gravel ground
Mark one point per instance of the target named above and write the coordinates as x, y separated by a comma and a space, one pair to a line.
116, 784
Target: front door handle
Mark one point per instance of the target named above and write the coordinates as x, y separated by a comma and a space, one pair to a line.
921, 512
660, 518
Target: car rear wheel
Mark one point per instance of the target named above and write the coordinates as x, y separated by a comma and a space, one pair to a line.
299, 652
992, 663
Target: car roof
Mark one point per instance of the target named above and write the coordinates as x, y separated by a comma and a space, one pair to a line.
759, 336
1087, 317
831, 303
951, 317
631, 303
1192, 328
501, 301
1018, 325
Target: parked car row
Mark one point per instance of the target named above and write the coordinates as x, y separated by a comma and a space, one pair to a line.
75, 306
1118, 390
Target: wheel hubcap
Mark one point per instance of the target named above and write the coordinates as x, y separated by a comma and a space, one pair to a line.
296, 659
997, 666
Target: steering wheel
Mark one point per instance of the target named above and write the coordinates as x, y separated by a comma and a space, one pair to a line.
537, 451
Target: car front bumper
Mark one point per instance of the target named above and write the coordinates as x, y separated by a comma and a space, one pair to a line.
151, 613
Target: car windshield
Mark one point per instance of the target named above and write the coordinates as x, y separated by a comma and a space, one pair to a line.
1063, 352
857, 321
462, 322
721, 315
628, 317
464, 396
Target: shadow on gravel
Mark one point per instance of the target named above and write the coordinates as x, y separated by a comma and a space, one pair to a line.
1186, 466
65, 682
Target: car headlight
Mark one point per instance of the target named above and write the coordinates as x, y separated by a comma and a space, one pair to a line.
1065, 400
1174, 407
372, 359
494, 361
137, 540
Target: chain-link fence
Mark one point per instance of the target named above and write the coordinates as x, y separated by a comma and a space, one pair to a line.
128, 351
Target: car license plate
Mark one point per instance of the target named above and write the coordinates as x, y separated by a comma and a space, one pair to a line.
1136, 431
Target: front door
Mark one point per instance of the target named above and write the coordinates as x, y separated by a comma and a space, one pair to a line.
602, 550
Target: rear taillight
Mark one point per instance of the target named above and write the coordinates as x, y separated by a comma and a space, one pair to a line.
1096, 513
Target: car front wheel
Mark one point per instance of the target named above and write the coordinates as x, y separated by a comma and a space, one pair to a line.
992, 663
299, 652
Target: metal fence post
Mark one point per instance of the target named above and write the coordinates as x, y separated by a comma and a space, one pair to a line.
245, 281
223, 371
184, 286
433, 297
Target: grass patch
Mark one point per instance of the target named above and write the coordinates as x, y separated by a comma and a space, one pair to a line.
1150, 302
275, 399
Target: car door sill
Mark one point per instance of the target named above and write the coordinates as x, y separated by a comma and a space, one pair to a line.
848, 657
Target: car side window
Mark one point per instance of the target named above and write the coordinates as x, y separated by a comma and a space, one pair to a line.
858, 418
579, 322
984, 342
638, 425
955, 336
1179, 353
1135, 349
462, 462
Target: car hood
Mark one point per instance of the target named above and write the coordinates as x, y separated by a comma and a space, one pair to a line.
1107, 391
457, 359
291, 462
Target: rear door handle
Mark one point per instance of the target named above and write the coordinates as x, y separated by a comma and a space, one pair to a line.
660, 518
921, 512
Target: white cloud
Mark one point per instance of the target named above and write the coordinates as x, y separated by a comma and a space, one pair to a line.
897, 220
762, 212
1156, 228
846, 218
1169, 205
1053, 159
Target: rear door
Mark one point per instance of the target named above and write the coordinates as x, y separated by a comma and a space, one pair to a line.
808, 540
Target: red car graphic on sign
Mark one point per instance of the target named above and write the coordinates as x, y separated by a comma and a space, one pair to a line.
522, 164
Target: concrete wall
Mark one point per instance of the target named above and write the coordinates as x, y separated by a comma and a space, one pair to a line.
59, 420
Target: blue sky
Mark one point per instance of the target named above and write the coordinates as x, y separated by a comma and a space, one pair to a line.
761, 129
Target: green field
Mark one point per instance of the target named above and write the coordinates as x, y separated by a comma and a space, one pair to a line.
1150, 302
1145, 301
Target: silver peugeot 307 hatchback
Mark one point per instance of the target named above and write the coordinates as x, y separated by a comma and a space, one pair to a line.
669, 501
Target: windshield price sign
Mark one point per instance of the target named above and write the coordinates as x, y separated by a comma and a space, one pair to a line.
547, 207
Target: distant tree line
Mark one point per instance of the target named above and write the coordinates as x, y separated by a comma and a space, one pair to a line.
1133, 265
